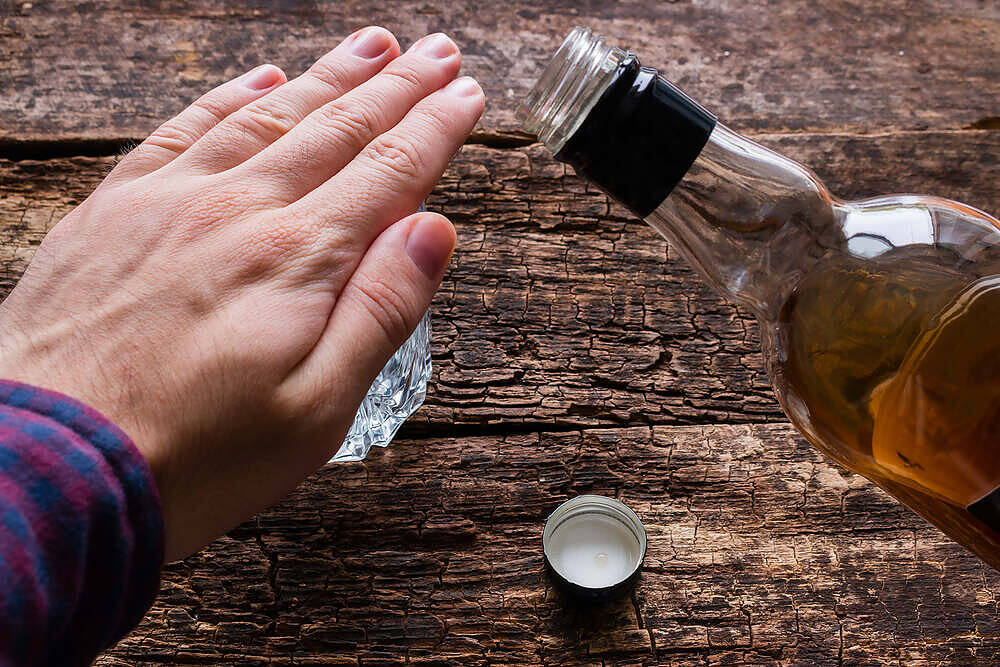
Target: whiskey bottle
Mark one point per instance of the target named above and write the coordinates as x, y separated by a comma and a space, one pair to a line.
880, 319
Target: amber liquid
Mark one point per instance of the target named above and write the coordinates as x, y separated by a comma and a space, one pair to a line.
893, 368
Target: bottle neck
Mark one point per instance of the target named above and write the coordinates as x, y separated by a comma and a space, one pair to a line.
749, 220
576, 78
740, 213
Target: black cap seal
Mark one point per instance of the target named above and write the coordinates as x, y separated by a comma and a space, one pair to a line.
640, 138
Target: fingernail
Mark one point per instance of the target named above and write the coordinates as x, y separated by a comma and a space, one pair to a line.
371, 43
437, 45
465, 86
430, 244
262, 78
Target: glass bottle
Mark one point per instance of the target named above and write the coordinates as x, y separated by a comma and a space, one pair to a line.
880, 319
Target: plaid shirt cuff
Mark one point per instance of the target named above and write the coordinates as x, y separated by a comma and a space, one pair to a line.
81, 529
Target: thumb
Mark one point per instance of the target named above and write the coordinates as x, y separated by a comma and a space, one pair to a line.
379, 308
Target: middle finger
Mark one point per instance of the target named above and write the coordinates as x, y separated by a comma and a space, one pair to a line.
252, 128
333, 135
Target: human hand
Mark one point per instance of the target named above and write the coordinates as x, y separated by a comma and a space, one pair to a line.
229, 292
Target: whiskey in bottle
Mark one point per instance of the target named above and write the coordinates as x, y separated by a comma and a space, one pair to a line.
880, 319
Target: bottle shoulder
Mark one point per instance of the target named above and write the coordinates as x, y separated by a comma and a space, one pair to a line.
889, 235
900, 224
893, 328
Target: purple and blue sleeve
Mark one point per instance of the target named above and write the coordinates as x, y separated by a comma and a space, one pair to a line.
81, 530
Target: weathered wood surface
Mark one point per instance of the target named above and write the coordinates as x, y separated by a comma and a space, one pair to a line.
759, 551
561, 312
110, 69
574, 352
430, 550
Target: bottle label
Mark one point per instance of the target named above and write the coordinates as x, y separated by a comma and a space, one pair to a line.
987, 509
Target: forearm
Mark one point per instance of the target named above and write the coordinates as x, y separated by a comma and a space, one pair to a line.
81, 530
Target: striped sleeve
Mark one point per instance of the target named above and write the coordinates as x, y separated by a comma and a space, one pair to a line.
81, 530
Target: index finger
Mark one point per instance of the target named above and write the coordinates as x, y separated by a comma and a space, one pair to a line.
396, 170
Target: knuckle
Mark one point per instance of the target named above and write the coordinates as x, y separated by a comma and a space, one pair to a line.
170, 136
397, 154
440, 120
405, 75
356, 120
212, 105
331, 72
266, 123
387, 305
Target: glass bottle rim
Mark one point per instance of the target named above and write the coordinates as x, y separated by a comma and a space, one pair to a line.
572, 83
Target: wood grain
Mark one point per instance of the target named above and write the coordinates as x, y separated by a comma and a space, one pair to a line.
574, 352
559, 310
759, 551
110, 69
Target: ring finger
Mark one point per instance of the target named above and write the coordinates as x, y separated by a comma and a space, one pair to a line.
255, 126
333, 135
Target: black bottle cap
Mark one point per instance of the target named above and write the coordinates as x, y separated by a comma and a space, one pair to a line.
640, 138
594, 547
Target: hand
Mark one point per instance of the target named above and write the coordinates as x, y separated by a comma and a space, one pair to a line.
230, 291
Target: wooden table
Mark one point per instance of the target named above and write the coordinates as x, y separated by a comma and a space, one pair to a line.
573, 351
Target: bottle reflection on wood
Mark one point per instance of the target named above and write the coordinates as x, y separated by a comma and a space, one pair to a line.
880, 319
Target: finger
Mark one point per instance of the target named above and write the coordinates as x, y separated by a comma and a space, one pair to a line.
181, 132
376, 312
256, 125
330, 137
395, 171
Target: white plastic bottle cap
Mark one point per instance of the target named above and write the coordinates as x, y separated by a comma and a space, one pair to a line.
594, 547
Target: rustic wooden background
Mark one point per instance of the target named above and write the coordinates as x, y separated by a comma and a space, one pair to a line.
573, 351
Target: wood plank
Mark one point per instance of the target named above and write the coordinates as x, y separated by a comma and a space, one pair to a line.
108, 69
759, 551
559, 311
